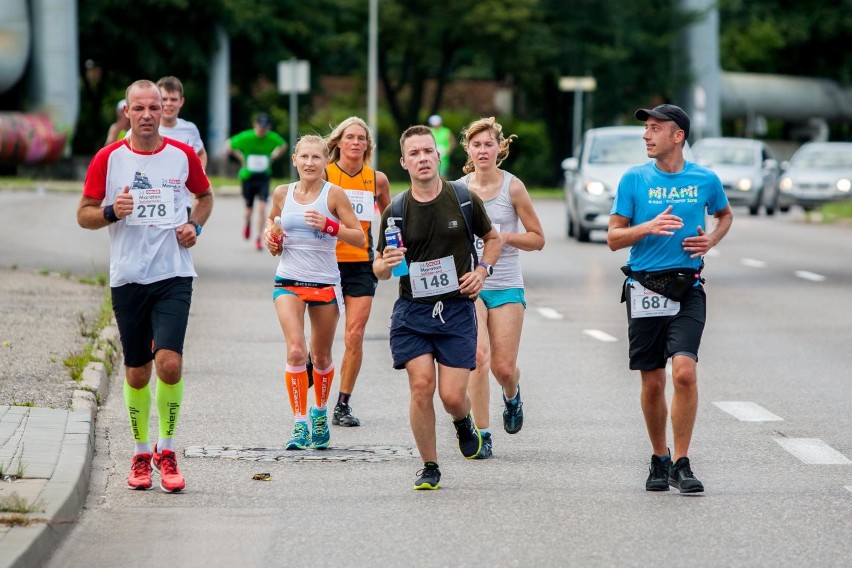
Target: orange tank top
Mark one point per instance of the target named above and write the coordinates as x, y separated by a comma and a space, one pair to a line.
361, 190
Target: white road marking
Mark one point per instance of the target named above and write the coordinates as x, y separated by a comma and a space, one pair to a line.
848, 488
599, 335
747, 411
754, 263
713, 252
812, 276
813, 451
550, 313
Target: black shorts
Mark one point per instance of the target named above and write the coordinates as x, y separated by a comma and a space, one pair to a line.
155, 312
357, 278
449, 335
256, 185
654, 340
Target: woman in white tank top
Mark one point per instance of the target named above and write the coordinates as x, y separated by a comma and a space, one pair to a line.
500, 306
314, 214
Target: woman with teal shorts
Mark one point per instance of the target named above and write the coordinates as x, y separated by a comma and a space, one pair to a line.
500, 306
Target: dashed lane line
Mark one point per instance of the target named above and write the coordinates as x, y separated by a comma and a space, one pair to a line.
753, 263
813, 451
550, 313
746, 411
600, 335
812, 276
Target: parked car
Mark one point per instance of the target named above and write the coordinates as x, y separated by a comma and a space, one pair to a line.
817, 173
592, 175
747, 168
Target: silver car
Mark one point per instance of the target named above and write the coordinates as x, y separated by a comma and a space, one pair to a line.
747, 168
819, 172
592, 175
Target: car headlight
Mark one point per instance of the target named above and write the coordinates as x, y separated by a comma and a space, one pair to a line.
844, 185
595, 188
744, 184
786, 184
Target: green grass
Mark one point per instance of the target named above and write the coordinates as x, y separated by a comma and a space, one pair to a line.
14, 511
835, 212
91, 330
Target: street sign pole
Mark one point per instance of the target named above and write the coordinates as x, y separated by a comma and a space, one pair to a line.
579, 85
294, 78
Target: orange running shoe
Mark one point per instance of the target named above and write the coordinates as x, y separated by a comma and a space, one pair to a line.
171, 481
140, 472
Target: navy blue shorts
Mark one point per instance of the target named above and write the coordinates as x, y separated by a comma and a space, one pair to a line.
417, 329
156, 312
654, 340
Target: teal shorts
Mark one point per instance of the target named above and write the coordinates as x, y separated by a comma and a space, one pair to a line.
495, 298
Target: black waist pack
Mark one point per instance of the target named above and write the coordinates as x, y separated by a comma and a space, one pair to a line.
674, 283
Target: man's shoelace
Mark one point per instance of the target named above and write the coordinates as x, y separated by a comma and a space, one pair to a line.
658, 468
140, 465
428, 473
168, 463
685, 471
438, 309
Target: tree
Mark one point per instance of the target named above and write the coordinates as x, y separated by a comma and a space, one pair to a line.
422, 42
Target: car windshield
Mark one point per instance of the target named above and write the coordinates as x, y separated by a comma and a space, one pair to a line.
822, 157
617, 149
725, 156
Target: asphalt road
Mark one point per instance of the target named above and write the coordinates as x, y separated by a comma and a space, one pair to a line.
567, 490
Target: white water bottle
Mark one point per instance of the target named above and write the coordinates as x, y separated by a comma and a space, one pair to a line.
393, 238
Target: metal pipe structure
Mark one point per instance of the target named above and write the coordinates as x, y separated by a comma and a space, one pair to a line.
784, 97
15, 38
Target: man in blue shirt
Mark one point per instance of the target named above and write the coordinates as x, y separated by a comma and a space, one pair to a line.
659, 212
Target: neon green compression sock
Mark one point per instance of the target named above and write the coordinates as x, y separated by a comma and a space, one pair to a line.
138, 403
169, 399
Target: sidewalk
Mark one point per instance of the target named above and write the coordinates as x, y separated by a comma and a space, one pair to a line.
45, 453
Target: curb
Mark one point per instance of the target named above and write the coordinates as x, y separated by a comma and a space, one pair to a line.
66, 490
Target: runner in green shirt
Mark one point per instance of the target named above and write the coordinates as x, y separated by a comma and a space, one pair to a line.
444, 141
255, 149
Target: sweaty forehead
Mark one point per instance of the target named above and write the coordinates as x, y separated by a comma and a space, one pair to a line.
144, 95
419, 142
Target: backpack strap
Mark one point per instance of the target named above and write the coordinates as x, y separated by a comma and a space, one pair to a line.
397, 210
463, 197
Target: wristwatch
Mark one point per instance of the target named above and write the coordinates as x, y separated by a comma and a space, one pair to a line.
197, 227
489, 270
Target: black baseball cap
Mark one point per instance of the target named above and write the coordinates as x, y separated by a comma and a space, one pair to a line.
666, 112
263, 120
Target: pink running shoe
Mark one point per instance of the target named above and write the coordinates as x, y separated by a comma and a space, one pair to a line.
140, 472
171, 480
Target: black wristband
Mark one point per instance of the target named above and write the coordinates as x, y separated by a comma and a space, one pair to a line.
109, 214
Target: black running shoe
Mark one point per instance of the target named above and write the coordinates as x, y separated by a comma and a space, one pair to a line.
429, 477
470, 440
343, 416
513, 414
485, 452
682, 478
658, 474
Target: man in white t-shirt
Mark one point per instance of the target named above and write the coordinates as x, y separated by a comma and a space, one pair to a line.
146, 183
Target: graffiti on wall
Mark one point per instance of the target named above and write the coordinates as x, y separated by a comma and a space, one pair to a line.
29, 139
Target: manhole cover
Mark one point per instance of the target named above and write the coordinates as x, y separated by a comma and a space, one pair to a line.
332, 453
